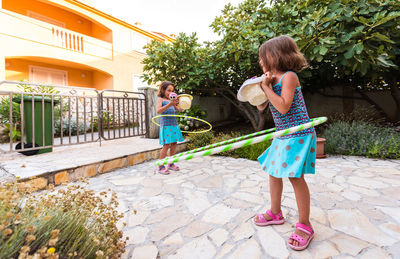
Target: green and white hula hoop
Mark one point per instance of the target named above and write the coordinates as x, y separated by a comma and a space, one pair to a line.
183, 116
217, 148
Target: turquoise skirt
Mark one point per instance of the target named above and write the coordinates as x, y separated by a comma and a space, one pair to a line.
170, 134
290, 157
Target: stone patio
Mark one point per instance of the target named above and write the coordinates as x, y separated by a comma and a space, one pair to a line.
206, 209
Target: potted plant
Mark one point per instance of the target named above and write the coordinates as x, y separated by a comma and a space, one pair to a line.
320, 148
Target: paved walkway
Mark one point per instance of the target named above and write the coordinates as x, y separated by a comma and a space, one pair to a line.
66, 157
206, 210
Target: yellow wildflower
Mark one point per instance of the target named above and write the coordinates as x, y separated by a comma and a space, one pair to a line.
30, 229
30, 238
54, 233
53, 241
99, 253
25, 249
47, 218
51, 250
7, 232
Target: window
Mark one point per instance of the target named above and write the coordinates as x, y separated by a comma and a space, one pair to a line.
48, 76
138, 41
45, 19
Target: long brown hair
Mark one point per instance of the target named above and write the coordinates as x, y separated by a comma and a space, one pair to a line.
281, 53
163, 87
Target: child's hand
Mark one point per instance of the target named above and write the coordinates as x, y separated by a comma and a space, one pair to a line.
268, 78
174, 102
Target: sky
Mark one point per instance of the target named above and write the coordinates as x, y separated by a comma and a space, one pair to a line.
168, 16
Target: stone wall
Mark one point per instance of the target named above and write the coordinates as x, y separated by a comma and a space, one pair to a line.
91, 170
320, 105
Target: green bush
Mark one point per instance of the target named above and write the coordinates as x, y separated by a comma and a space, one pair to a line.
254, 151
5, 120
67, 124
360, 113
5, 111
250, 152
16, 115
200, 140
191, 124
362, 139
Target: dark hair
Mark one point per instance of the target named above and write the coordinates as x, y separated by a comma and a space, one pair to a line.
282, 54
163, 87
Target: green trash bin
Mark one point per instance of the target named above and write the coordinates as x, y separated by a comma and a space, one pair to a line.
38, 119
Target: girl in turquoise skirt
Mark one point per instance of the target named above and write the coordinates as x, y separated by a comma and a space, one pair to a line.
170, 133
291, 155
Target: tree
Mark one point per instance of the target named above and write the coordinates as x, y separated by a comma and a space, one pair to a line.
348, 42
353, 43
198, 68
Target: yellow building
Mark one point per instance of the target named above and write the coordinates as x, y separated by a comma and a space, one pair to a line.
66, 42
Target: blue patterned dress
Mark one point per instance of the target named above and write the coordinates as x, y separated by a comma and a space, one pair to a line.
169, 128
294, 154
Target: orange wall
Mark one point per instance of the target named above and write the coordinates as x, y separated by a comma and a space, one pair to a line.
102, 81
101, 33
72, 21
18, 69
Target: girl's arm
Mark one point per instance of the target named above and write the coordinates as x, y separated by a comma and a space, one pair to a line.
176, 106
178, 109
160, 108
282, 103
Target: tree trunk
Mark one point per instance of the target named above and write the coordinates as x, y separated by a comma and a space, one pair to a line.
257, 118
395, 91
375, 104
262, 119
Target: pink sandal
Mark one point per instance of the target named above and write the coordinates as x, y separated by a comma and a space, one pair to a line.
173, 167
163, 170
276, 219
302, 241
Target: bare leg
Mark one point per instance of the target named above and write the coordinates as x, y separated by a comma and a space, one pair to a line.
303, 204
172, 149
163, 152
275, 190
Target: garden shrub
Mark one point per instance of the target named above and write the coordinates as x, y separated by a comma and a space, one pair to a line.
16, 114
362, 139
70, 123
250, 152
191, 124
69, 223
199, 140
360, 113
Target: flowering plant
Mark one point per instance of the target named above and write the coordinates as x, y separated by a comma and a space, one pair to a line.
69, 223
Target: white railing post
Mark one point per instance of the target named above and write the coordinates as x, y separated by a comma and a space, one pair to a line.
67, 39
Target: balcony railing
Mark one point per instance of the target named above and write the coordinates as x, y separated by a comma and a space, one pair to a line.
67, 39
35, 31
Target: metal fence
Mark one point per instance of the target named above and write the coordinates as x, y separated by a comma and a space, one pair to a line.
47, 116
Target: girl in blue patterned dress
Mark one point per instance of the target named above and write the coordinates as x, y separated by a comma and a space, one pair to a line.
170, 133
291, 155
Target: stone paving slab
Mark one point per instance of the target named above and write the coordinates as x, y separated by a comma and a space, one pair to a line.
206, 209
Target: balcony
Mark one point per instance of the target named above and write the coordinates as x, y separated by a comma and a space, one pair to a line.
35, 31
